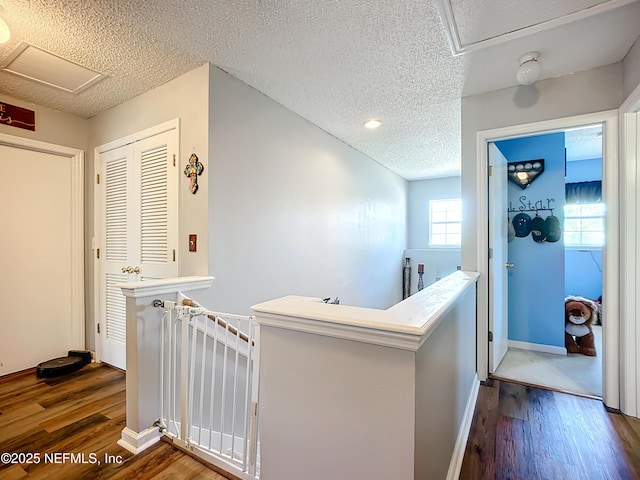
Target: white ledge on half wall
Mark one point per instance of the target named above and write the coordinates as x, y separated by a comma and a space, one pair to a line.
405, 325
162, 286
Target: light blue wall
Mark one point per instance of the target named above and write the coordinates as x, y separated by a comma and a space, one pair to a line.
583, 272
536, 283
583, 267
584, 170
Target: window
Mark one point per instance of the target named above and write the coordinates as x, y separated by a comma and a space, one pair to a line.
445, 222
584, 224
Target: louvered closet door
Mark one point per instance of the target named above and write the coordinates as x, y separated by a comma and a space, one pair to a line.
139, 229
158, 219
117, 170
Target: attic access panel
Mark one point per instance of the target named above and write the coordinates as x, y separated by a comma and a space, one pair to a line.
479, 20
34, 63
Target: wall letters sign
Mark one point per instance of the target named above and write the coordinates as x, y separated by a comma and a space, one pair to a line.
527, 206
17, 116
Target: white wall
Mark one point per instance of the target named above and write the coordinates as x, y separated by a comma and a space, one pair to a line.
337, 409
345, 394
438, 262
445, 378
292, 210
186, 98
631, 69
420, 193
52, 126
596, 90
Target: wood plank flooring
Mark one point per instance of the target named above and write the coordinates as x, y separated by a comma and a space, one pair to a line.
81, 413
521, 432
518, 432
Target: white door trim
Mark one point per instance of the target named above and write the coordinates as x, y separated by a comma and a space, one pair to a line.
99, 204
630, 255
76, 157
611, 251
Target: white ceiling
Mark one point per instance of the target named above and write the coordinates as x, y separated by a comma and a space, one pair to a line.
334, 62
583, 143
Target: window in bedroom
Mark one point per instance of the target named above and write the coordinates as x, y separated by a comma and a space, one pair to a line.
445, 217
584, 224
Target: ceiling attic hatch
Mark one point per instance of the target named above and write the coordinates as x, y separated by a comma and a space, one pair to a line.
38, 65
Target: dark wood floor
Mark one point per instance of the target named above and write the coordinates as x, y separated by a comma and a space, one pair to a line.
81, 413
520, 432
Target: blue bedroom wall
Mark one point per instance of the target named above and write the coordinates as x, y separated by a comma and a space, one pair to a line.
583, 266
584, 170
536, 283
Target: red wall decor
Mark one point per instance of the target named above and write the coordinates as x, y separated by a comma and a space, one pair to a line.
17, 116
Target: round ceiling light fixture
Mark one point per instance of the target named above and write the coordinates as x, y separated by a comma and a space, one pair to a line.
529, 70
5, 33
372, 123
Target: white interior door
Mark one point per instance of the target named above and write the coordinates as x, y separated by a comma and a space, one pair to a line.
117, 251
36, 258
498, 279
139, 229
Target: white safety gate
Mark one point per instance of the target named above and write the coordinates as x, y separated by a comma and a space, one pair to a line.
210, 385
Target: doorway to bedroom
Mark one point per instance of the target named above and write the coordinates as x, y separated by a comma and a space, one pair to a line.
555, 245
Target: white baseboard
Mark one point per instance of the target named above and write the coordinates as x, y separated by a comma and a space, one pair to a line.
463, 433
537, 347
137, 442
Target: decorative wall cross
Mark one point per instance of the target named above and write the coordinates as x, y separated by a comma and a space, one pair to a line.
194, 168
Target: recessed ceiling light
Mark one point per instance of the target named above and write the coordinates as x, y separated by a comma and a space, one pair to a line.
373, 123
5, 33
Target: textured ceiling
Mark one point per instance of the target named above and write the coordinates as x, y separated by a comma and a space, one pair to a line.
335, 63
583, 143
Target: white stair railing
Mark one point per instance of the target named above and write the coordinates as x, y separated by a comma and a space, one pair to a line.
210, 385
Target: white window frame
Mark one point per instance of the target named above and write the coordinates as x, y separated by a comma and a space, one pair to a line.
582, 231
447, 222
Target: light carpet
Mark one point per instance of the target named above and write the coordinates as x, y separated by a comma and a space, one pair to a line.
573, 373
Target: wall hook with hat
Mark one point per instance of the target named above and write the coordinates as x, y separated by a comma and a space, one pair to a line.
538, 232
522, 225
541, 229
552, 228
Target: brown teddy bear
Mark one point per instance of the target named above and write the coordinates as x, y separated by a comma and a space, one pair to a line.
580, 314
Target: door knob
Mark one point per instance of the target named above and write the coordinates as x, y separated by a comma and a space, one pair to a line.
136, 270
126, 269
509, 265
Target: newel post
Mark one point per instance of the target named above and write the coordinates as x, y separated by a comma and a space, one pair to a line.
143, 347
